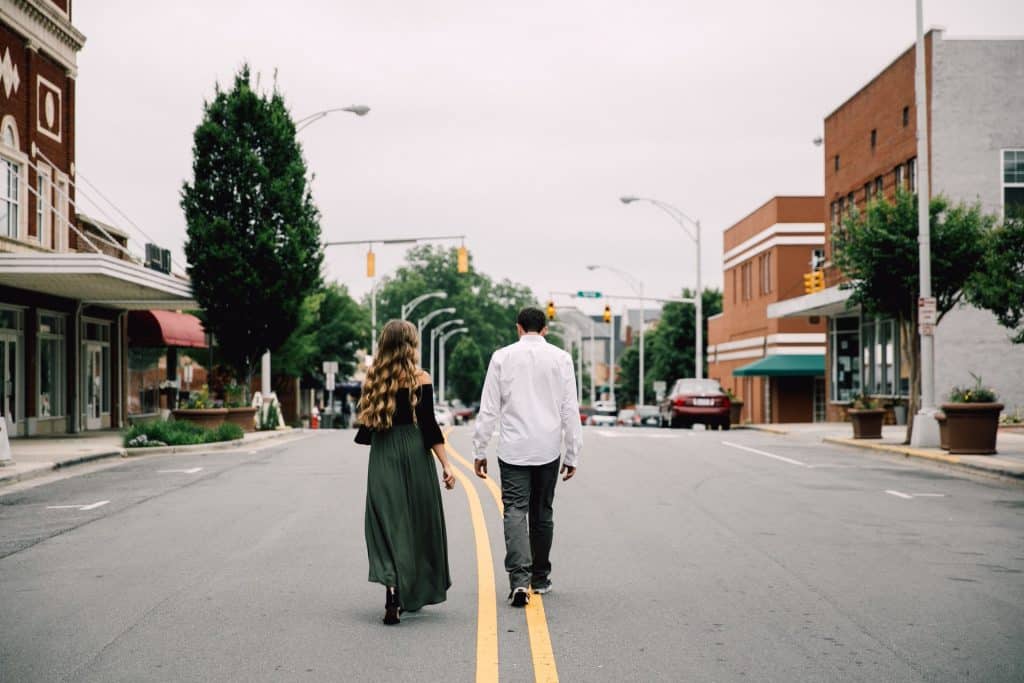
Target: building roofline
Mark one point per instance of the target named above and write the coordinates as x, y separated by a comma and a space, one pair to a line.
769, 201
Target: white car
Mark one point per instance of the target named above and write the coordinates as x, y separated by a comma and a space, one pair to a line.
604, 414
444, 417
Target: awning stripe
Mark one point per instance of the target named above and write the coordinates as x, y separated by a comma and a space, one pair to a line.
784, 365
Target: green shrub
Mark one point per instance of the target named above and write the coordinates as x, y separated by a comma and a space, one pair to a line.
178, 433
976, 394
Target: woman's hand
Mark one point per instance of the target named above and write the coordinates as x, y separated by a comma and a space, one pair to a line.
449, 478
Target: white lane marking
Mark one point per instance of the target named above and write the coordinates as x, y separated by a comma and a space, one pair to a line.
899, 494
626, 433
908, 496
83, 508
765, 453
188, 471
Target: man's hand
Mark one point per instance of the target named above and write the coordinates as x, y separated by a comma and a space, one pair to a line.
568, 471
480, 468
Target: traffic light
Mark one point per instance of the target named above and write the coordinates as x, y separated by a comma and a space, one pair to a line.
463, 256
814, 281
551, 310
371, 263
607, 313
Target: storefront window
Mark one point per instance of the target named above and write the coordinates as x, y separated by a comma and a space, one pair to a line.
145, 372
846, 365
51, 365
880, 356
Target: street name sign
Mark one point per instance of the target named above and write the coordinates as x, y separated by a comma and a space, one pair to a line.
585, 294
330, 367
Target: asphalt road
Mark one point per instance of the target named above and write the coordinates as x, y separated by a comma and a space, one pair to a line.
679, 556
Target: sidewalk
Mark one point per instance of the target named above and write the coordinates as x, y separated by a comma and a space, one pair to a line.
1009, 462
36, 456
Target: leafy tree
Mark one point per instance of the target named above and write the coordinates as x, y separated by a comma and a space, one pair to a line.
670, 354
332, 325
878, 251
465, 370
489, 308
998, 284
253, 242
629, 370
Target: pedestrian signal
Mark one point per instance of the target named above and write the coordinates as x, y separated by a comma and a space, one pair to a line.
607, 314
814, 281
551, 310
371, 264
463, 257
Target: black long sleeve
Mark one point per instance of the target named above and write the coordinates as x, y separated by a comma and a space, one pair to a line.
425, 418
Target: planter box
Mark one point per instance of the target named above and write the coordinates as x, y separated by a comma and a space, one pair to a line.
867, 422
735, 412
208, 418
940, 417
243, 417
972, 427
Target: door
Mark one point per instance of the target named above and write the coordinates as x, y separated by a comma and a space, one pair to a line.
819, 399
94, 380
9, 382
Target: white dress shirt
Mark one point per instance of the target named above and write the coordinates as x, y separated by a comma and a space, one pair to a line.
530, 395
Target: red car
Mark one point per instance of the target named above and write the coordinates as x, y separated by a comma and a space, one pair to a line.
693, 401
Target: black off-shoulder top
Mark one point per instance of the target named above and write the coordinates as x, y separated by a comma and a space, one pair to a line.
425, 419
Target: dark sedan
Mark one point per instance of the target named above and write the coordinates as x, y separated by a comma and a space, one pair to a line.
696, 401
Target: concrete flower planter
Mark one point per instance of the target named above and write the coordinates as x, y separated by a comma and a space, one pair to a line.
940, 417
867, 422
207, 418
735, 412
972, 427
244, 417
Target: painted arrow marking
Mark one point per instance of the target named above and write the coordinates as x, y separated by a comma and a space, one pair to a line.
188, 471
83, 508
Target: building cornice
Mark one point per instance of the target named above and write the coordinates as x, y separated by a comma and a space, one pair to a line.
46, 28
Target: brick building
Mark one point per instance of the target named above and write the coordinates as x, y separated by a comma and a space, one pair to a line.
775, 366
975, 99
66, 281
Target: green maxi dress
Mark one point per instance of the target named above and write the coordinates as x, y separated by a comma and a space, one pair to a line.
406, 540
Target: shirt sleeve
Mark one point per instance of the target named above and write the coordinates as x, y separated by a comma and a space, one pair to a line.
364, 437
572, 428
490, 408
425, 418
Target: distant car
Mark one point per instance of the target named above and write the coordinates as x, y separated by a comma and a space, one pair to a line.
585, 413
647, 416
444, 416
696, 401
604, 414
464, 414
626, 417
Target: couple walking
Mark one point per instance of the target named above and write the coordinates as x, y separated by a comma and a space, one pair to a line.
529, 395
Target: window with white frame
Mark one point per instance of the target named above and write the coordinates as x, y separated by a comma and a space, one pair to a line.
52, 378
1013, 181
43, 206
10, 180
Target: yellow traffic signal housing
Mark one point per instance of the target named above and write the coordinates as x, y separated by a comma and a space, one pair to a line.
463, 257
808, 283
814, 281
607, 314
371, 263
551, 310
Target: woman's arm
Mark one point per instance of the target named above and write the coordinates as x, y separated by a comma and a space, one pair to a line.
446, 469
433, 438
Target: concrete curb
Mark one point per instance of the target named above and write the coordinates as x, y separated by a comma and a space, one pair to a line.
215, 446
48, 468
762, 428
912, 452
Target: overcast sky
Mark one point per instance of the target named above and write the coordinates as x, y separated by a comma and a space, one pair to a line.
519, 124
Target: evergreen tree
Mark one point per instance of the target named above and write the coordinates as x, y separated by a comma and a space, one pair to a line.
253, 242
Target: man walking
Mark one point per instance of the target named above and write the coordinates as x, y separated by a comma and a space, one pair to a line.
530, 394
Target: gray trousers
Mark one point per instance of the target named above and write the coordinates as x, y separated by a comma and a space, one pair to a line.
527, 492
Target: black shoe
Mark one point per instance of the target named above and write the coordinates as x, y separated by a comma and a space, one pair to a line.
392, 607
519, 597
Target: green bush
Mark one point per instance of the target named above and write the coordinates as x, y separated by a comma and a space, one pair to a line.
179, 433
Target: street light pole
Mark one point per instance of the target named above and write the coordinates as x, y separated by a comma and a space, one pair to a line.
407, 307
638, 287
434, 334
424, 321
357, 109
444, 340
681, 218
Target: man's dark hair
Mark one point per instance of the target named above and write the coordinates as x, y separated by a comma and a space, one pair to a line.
532, 319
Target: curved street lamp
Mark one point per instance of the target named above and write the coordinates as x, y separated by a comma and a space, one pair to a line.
444, 338
357, 109
433, 335
638, 287
682, 219
425, 320
407, 307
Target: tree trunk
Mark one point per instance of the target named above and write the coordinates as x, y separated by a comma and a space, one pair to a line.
912, 353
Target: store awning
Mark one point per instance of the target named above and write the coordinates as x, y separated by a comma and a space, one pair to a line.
831, 301
784, 365
148, 329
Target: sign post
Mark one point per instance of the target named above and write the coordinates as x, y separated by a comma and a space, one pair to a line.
330, 370
927, 316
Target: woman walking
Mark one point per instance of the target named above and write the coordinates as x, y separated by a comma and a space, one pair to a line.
405, 534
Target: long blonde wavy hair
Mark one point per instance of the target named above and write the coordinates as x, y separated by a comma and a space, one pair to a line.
395, 367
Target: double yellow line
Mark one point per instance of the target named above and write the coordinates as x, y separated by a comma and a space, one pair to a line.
544, 668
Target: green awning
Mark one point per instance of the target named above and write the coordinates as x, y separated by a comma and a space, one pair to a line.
784, 365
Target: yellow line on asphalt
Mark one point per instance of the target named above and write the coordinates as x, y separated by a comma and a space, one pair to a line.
544, 669
487, 609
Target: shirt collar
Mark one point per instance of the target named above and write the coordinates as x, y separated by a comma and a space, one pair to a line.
532, 338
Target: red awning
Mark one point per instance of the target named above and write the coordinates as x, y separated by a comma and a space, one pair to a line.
165, 328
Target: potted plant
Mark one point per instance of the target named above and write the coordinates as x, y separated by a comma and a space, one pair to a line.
735, 407
199, 409
238, 412
972, 419
866, 415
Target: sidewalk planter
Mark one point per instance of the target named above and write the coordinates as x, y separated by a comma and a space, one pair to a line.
972, 427
735, 412
867, 422
208, 418
940, 417
244, 417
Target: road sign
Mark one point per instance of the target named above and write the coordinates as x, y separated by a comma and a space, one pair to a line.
330, 381
330, 367
584, 294
926, 329
927, 311
659, 389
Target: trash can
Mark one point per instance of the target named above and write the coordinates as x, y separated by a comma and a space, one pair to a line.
899, 411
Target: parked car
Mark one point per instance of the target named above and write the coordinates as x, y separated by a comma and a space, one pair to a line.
444, 416
604, 414
694, 401
647, 416
464, 414
626, 418
585, 413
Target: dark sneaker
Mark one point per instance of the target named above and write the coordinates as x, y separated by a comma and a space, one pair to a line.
541, 589
519, 597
